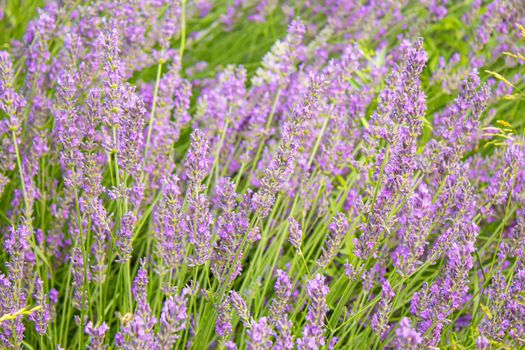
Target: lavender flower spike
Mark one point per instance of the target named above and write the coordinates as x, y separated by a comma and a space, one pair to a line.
380, 318
259, 335
283, 163
241, 308
406, 336
172, 320
296, 234
278, 312
42, 317
124, 236
97, 335
199, 219
338, 229
313, 333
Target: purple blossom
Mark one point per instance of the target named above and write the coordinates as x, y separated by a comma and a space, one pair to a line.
79, 278
240, 307
380, 318
279, 308
42, 317
283, 291
232, 226
138, 332
406, 336
11, 103
170, 241
223, 325
417, 224
259, 335
283, 163
338, 229
398, 121
99, 182
172, 320
97, 334
124, 236
313, 332
350, 271
296, 234
199, 219
279, 63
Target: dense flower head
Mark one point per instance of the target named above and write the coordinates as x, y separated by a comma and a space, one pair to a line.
313, 333
231, 229
380, 318
296, 234
125, 236
240, 307
283, 291
197, 162
97, 334
283, 163
42, 317
259, 335
338, 229
280, 62
11, 103
223, 325
138, 332
172, 320
406, 336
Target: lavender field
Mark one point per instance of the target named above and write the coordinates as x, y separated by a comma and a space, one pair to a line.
274, 175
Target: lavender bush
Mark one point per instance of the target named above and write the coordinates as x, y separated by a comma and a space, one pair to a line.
262, 175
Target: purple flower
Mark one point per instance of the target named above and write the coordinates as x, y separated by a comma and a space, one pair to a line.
406, 336
279, 63
221, 108
313, 332
79, 278
379, 321
170, 242
69, 129
199, 219
433, 304
284, 339
278, 312
100, 225
350, 271
296, 234
416, 226
223, 325
259, 335
231, 227
137, 333
338, 229
124, 236
97, 335
482, 343
10, 102
283, 163
12, 331
42, 317
124, 108
172, 320
239, 305
283, 291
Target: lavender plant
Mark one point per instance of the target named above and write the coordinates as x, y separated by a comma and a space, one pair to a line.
262, 175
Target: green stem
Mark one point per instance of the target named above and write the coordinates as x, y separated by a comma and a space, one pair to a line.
182, 30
